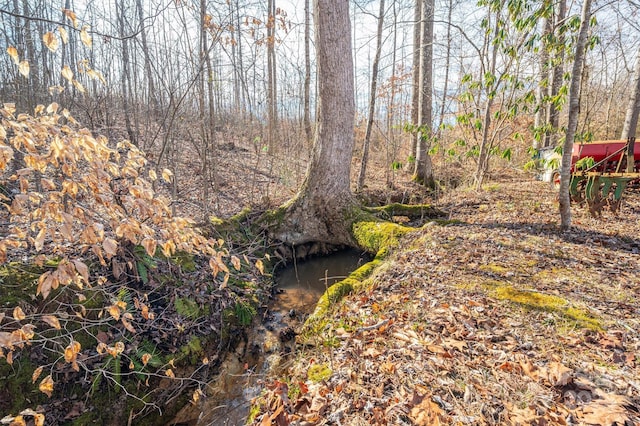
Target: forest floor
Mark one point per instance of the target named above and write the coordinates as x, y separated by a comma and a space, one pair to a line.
494, 318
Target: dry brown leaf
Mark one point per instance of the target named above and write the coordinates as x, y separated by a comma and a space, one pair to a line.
36, 373
425, 412
530, 369
67, 73
235, 262
46, 386
85, 37
558, 375
82, 269
145, 359
72, 16
13, 52
18, 313
64, 35
51, 41
23, 68
52, 321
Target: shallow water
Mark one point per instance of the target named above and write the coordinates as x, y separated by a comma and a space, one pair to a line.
304, 282
300, 285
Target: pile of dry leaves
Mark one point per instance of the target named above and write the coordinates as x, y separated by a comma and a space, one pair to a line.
495, 319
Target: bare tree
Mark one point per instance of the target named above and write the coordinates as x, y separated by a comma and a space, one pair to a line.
553, 113
574, 109
372, 100
423, 172
272, 93
415, 75
125, 76
633, 108
542, 90
307, 72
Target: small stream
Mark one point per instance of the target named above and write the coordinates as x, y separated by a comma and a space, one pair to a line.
299, 286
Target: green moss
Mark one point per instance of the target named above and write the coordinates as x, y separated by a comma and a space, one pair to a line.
18, 392
253, 413
494, 268
549, 303
336, 292
192, 351
17, 282
189, 308
215, 221
275, 217
240, 216
319, 372
376, 236
185, 260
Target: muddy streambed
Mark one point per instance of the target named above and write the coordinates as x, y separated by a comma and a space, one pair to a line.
298, 288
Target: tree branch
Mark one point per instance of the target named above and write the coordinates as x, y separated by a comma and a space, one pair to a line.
49, 21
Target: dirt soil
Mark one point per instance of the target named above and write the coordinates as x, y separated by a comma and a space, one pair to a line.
493, 318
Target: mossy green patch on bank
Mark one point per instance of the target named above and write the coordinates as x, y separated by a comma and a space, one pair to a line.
374, 236
319, 372
548, 303
494, 268
379, 237
336, 292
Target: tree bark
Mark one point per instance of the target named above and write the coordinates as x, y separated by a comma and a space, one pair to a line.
574, 109
633, 108
125, 73
319, 212
540, 119
272, 114
483, 156
447, 63
423, 172
415, 99
307, 72
372, 100
551, 137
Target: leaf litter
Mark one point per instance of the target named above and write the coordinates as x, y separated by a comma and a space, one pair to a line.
496, 318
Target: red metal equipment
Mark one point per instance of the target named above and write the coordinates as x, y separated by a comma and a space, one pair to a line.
612, 166
608, 155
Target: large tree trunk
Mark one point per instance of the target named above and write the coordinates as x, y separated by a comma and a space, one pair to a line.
574, 109
320, 211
